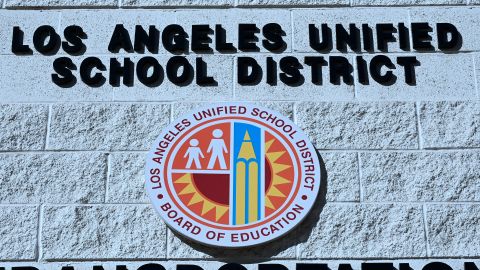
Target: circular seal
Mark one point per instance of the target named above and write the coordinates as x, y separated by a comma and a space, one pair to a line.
232, 175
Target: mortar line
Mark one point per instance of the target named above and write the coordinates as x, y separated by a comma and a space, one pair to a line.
295, 108
323, 150
297, 252
255, 7
277, 259
107, 177
425, 228
352, 203
47, 131
60, 17
39, 233
159, 56
171, 111
359, 173
265, 53
355, 71
419, 127
234, 84
475, 77
292, 38
167, 246
410, 39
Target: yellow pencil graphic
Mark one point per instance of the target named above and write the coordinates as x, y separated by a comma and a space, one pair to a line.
247, 185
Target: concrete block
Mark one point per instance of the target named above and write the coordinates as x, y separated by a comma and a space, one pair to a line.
28, 21
285, 108
114, 126
23, 127
101, 24
19, 73
177, 3
218, 66
367, 125
465, 19
342, 181
366, 231
18, 232
306, 91
303, 17
231, 18
421, 176
180, 248
453, 230
450, 124
60, 3
102, 232
435, 80
53, 178
126, 182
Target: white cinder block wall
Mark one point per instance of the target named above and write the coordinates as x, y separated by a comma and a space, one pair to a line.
402, 162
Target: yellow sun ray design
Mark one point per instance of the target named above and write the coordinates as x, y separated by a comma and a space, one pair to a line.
277, 168
207, 205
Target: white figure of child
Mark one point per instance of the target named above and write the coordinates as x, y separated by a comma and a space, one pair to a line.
217, 147
194, 153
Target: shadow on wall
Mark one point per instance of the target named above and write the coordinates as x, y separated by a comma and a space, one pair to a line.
280, 248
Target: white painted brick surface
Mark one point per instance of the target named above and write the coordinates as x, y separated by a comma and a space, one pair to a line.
23, 127
453, 230
53, 178
107, 125
18, 232
71, 177
368, 125
366, 231
102, 232
435, 80
450, 124
424, 176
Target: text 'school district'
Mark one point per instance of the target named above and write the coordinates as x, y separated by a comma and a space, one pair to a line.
214, 39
